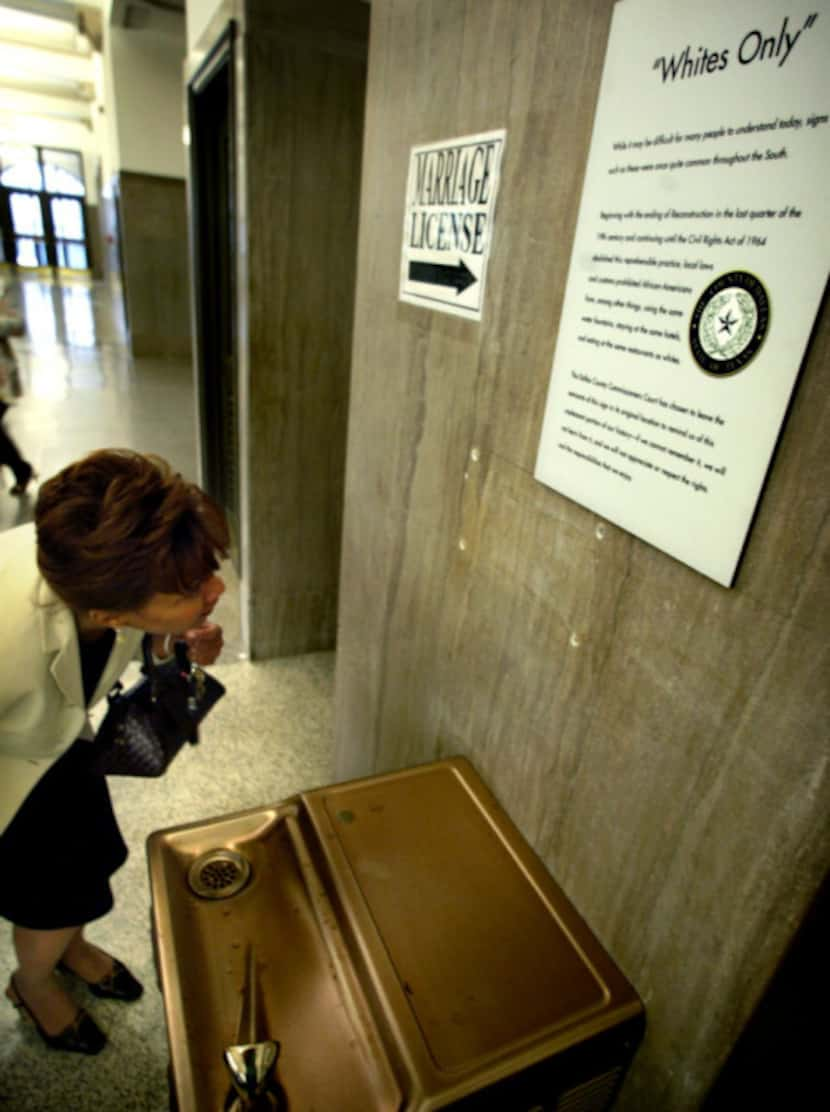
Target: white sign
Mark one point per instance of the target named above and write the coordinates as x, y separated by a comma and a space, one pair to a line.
699, 262
448, 222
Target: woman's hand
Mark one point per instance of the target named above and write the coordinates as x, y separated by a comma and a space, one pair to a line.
204, 643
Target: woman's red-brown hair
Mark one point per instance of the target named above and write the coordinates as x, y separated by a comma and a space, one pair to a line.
118, 527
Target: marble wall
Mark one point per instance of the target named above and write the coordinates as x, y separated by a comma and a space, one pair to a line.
299, 108
661, 741
154, 236
95, 240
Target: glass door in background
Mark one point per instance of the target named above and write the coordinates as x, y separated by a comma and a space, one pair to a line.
42, 210
27, 222
63, 179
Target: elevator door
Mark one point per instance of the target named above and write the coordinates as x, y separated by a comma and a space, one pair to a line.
212, 226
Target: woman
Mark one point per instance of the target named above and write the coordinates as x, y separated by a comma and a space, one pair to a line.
11, 324
10, 456
9, 452
120, 546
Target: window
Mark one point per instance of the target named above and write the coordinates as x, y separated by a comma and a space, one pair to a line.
63, 172
21, 167
42, 207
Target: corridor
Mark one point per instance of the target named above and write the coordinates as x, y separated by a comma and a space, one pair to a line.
82, 390
270, 737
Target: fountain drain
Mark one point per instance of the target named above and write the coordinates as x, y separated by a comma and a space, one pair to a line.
219, 874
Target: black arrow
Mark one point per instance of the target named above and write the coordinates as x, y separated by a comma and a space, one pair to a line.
436, 274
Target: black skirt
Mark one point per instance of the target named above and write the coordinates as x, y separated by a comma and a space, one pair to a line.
60, 849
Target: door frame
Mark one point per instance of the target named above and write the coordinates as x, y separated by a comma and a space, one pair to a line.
219, 476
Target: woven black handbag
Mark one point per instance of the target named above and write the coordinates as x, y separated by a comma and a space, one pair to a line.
146, 726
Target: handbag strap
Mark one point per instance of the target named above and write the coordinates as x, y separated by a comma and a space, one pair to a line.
180, 649
147, 653
182, 659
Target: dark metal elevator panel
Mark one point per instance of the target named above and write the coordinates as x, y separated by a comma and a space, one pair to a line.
211, 110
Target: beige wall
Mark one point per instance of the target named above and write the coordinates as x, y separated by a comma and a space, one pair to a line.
201, 14
146, 107
144, 167
148, 87
660, 740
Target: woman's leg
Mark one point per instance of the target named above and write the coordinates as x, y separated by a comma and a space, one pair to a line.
85, 959
11, 457
38, 952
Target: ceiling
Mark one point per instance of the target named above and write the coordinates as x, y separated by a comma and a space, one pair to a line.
48, 51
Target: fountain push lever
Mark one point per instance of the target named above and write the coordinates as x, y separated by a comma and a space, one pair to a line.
251, 1061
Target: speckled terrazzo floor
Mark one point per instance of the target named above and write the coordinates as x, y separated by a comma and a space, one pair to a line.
270, 737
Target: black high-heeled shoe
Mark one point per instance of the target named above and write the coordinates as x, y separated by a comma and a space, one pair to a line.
81, 1036
120, 984
21, 484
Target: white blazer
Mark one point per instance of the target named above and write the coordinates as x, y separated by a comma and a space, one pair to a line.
42, 707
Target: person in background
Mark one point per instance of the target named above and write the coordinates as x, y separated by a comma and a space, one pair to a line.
120, 545
10, 455
11, 324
